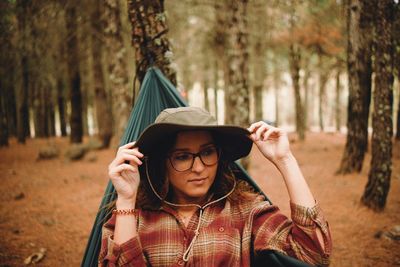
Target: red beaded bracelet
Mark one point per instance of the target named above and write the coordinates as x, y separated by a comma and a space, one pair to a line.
124, 212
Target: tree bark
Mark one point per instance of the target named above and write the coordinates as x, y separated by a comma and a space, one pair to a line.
323, 79
237, 106
61, 106
117, 68
378, 185
3, 116
237, 103
74, 74
294, 62
102, 103
398, 120
23, 7
307, 74
216, 79
337, 101
206, 82
149, 39
359, 71
259, 74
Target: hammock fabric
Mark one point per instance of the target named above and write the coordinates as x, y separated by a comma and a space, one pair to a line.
156, 94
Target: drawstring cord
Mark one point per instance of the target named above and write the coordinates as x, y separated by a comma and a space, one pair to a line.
201, 208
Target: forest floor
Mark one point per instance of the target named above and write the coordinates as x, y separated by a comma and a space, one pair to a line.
52, 204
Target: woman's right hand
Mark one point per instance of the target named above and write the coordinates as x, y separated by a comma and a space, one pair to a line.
125, 177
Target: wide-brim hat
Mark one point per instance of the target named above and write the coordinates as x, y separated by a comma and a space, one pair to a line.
233, 140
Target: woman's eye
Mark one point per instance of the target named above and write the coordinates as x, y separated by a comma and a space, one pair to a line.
208, 151
182, 156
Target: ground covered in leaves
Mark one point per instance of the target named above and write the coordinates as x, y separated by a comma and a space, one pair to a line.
51, 204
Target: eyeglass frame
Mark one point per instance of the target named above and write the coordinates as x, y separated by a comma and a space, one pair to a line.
194, 156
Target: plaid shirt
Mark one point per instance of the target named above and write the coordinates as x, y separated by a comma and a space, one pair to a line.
230, 235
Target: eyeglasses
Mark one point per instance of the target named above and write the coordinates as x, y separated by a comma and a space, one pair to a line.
183, 161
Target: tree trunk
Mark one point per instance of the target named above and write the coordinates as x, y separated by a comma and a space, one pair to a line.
337, 101
277, 84
221, 42
259, 74
294, 62
359, 71
103, 109
323, 79
149, 30
237, 105
307, 74
398, 120
51, 119
216, 78
206, 82
74, 75
378, 185
23, 7
3, 117
117, 68
61, 106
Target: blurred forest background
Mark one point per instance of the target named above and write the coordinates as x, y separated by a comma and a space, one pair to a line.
72, 70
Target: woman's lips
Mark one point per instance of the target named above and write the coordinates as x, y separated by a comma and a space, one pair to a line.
197, 180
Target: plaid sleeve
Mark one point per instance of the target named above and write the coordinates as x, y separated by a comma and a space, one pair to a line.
297, 237
111, 254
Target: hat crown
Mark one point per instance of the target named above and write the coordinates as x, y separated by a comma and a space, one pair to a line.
186, 116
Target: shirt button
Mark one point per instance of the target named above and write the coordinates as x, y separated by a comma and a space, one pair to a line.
221, 229
180, 262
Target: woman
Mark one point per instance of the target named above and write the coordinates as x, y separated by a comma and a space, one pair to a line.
179, 203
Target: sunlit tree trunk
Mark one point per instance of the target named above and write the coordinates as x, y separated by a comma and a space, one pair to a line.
359, 71
149, 38
259, 74
117, 67
337, 101
103, 109
307, 74
206, 82
378, 185
216, 78
237, 104
294, 62
323, 79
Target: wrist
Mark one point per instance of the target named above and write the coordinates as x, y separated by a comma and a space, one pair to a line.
285, 161
122, 203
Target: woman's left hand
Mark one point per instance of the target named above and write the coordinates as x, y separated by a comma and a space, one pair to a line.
271, 141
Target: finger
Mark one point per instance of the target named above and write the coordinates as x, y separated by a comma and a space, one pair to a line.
134, 151
268, 133
124, 158
128, 158
258, 124
127, 145
120, 168
254, 126
260, 131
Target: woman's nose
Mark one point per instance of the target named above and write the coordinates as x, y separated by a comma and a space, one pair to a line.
198, 165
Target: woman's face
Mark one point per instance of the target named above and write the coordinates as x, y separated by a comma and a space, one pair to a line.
191, 185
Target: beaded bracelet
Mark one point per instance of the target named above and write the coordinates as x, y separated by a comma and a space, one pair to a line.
124, 212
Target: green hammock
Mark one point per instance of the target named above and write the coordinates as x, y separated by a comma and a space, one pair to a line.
156, 94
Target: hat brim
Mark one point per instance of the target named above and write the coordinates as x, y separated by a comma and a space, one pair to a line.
234, 141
